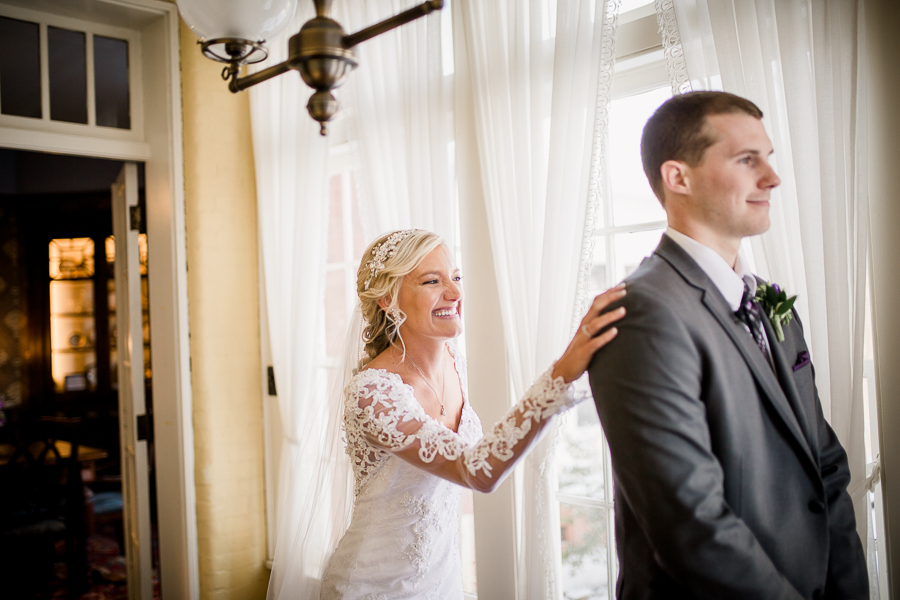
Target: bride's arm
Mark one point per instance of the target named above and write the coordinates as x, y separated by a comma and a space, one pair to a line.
392, 420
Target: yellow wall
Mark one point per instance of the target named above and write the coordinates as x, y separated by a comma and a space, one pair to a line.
883, 22
223, 297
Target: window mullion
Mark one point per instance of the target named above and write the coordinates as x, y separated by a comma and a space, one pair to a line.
45, 72
89, 79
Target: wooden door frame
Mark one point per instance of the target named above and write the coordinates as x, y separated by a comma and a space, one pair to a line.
161, 150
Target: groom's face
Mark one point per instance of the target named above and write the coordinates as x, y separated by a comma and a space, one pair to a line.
730, 188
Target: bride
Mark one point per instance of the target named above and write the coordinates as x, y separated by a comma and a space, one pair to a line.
412, 436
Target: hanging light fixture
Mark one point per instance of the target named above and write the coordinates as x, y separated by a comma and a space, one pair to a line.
234, 32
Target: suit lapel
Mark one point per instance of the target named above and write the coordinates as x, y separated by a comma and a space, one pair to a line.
785, 376
712, 299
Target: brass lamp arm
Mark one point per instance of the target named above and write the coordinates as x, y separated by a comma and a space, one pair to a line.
238, 84
390, 23
321, 52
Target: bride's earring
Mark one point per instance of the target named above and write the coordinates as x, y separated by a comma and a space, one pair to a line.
396, 315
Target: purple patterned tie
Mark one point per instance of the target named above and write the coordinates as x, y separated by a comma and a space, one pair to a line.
749, 314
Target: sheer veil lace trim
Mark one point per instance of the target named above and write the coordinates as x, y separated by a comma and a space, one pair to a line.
381, 415
676, 66
596, 186
598, 155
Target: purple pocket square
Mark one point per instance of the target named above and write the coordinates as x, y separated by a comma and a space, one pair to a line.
802, 360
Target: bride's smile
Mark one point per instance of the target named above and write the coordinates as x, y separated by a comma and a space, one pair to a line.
431, 298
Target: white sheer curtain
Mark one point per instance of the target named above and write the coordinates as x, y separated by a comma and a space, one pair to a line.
536, 79
397, 106
399, 102
803, 64
291, 178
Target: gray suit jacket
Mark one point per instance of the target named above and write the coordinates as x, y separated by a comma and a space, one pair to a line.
729, 483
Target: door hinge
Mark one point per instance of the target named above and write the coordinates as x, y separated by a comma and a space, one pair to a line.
145, 427
137, 218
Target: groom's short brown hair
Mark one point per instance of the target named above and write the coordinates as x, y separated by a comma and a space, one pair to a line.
677, 130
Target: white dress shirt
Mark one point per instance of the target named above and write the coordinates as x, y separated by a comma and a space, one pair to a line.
730, 282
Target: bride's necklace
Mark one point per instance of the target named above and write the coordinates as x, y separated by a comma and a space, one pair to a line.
428, 383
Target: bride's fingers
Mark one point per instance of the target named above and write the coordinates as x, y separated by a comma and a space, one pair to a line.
606, 319
592, 327
603, 300
601, 340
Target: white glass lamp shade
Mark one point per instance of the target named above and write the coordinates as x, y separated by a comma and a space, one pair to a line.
254, 20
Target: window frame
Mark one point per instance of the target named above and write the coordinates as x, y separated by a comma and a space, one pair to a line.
28, 133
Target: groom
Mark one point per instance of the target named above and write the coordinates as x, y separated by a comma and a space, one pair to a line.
729, 483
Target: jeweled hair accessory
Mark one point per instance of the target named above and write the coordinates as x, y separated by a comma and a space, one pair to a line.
384, 251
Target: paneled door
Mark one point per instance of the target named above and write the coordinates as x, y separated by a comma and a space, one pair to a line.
133, 425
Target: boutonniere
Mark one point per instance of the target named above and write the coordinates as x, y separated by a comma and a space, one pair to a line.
777, 306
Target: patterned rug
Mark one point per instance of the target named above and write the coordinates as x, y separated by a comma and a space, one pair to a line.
106, 567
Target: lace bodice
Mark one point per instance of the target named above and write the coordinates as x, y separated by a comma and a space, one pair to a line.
402, 540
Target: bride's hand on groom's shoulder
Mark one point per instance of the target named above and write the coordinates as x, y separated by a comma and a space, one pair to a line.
593, 333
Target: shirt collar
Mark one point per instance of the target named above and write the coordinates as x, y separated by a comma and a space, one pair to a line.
730, 282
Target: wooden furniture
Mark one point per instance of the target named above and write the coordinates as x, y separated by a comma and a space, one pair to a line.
41, 502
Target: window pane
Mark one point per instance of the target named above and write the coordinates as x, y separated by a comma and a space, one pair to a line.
111, 82
632, 248
68, 75
633, 200
335, 220
359, 239
580, 454
335, 310
585, 573
599, 269
20, 68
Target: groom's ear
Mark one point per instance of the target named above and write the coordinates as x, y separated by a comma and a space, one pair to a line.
675, 177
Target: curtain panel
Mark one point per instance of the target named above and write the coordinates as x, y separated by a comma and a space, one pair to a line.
541, 76
541, 91
397, 107
312, 499
400, 107
803, 63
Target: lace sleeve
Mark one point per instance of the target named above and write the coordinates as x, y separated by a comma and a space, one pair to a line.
392, 420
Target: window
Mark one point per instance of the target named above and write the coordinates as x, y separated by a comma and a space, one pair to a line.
630, 221
68, 76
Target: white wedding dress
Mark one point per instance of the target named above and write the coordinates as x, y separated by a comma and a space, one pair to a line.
402, 542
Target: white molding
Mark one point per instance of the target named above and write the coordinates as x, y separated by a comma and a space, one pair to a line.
65, 143
637, 35
173, 422
639, 74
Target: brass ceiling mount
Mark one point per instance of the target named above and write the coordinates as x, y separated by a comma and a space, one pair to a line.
321, 52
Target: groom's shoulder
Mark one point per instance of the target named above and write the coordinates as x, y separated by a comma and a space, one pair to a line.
658, 281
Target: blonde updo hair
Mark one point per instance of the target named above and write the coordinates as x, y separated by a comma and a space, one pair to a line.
380, 332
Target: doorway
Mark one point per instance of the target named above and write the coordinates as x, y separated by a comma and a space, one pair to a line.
151, 28
59, 351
